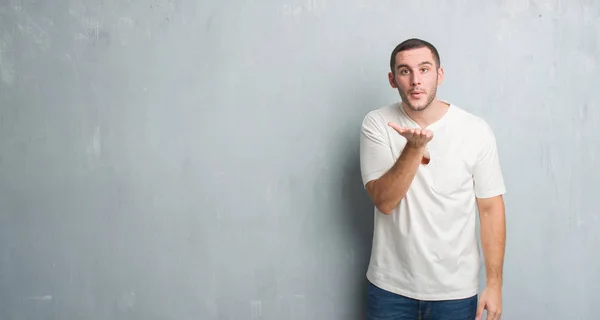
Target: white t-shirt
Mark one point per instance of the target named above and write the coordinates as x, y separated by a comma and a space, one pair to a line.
427, 248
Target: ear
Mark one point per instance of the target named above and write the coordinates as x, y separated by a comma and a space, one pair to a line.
440, 76
392, 80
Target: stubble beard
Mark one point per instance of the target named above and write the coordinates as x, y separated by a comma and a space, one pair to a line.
422, 106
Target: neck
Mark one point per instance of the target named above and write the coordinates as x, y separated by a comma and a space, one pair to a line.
435, 111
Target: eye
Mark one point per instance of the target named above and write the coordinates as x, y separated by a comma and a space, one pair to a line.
424, 70
403, 71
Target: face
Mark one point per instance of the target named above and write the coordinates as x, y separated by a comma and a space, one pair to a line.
416, 77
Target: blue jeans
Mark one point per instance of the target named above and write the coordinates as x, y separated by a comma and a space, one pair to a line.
382, 305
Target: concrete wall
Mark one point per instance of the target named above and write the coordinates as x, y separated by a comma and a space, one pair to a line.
179, 159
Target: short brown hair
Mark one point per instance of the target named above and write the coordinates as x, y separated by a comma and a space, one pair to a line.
413, 43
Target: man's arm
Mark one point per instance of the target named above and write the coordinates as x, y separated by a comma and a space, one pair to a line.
387, 179
387, 191
493, 235
493, 238
489, 188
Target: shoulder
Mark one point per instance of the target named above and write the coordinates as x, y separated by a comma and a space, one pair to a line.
473, 125
381, 116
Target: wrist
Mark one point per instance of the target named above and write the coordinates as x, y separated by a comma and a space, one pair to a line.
494, 284
415, 147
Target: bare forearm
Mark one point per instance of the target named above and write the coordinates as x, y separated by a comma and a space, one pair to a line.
493, 239
388, 191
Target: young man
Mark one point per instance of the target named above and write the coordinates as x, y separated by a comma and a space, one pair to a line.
428, 167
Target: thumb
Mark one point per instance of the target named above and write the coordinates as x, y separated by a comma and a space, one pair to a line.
480, 308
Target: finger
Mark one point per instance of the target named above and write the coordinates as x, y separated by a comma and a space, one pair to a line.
394, 125
427, 133
397, 127
496, 315
403, 131
480, 308
420, 135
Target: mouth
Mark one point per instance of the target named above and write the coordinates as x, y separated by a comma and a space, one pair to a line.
416, 94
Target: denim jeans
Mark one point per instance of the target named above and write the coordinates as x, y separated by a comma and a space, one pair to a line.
382, 305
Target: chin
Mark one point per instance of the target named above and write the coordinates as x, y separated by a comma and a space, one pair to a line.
419, 107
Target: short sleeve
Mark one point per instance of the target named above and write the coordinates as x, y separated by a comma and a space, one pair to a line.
375, 151
487, 173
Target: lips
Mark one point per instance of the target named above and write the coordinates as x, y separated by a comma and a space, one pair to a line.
416, 94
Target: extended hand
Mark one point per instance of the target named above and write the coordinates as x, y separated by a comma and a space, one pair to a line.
417, 137
490, 300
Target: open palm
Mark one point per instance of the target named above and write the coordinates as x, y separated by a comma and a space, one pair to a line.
415, 136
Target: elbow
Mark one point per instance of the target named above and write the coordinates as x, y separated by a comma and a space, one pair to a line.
385, 210
383, 201
387, 207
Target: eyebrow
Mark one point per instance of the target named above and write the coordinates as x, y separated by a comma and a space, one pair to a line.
420, 64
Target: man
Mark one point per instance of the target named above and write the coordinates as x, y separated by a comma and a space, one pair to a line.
428, 167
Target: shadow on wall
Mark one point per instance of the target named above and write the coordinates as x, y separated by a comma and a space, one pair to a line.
359, 209
356, 206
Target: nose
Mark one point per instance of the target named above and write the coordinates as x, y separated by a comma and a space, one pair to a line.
415, 80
